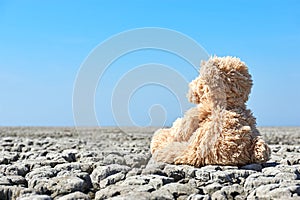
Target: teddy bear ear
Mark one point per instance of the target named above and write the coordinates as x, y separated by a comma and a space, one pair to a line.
203, 62
192, 95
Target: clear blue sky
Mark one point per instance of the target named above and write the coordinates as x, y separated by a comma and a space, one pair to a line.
43, 44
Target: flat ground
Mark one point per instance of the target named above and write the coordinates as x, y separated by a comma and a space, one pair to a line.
101, 163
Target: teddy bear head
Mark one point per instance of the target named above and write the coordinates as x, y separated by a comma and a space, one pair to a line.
223, 81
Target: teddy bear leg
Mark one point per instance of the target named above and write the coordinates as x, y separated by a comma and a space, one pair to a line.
186, 158
261, 151
191, 155
170, 152
160, 139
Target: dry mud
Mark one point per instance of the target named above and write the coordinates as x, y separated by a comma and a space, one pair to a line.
111, 163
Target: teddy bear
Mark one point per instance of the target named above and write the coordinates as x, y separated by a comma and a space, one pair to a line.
219, 130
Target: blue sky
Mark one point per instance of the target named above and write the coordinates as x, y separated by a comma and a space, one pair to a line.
44, 43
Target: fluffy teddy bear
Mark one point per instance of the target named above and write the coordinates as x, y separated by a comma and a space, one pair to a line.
220, 129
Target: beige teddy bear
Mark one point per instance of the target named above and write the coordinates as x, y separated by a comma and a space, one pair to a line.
220, 129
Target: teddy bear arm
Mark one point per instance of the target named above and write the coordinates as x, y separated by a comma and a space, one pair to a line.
186, 126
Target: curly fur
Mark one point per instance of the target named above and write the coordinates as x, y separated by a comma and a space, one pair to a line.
219, 130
